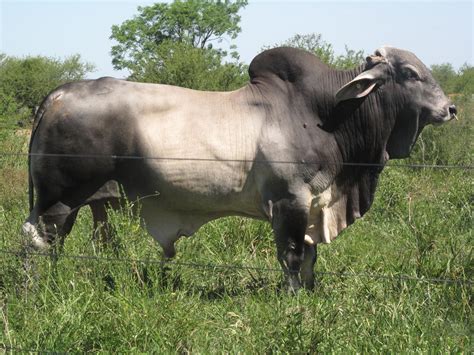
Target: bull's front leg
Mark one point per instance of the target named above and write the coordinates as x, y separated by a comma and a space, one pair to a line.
289, 221
307, 268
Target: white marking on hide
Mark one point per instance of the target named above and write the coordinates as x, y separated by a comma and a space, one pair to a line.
326, 235
31, 231
269, 210
308, 240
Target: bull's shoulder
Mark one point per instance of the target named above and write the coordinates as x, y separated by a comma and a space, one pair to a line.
285, 63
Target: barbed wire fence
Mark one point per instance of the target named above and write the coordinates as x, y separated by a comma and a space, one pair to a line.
249, 161
230, 160
234, 267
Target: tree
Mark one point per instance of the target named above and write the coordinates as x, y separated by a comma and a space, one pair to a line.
174, 44
314, 43
452, 82
445, 75
24, 82
191, 67
464, 83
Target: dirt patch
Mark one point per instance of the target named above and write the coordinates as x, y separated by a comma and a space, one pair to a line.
23, 132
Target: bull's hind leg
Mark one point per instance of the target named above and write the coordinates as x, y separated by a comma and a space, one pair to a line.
103, 230
43, 227
56, 207
55, 212
289, 225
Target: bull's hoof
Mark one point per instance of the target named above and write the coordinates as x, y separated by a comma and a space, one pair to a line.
309, 285
294, 284
37, 241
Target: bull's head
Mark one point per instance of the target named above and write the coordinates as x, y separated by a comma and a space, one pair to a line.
411, 91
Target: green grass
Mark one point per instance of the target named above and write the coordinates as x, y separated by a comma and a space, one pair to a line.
420, 225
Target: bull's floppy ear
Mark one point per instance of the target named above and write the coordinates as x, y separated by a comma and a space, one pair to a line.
363, 84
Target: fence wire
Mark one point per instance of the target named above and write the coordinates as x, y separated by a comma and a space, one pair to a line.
233, 267
251, 161
228, 266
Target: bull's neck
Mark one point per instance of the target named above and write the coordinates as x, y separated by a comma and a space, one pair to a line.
360, 127
324, 101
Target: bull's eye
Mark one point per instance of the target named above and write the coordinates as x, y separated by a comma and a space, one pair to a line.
410, 74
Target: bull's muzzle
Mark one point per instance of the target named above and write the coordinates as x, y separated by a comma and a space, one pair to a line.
453, 112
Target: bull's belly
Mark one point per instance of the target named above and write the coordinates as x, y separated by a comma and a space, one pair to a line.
175, 213
176, 201
201, 203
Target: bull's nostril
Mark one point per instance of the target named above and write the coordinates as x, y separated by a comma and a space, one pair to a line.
452, 110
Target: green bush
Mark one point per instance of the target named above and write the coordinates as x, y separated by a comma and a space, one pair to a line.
314, 43
191, 67
24, 82
10, 112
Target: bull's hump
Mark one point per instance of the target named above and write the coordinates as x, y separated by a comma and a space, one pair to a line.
286, 63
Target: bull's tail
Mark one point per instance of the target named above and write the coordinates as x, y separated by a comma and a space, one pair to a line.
37, 119
31, 192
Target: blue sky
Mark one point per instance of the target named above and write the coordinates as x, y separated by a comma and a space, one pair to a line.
437, 32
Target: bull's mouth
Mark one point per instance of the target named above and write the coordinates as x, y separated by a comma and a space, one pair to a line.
440, 117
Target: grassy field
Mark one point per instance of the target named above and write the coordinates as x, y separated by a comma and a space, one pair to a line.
420, 226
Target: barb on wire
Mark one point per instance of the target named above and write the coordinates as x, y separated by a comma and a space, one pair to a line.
242, 267
253, 161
